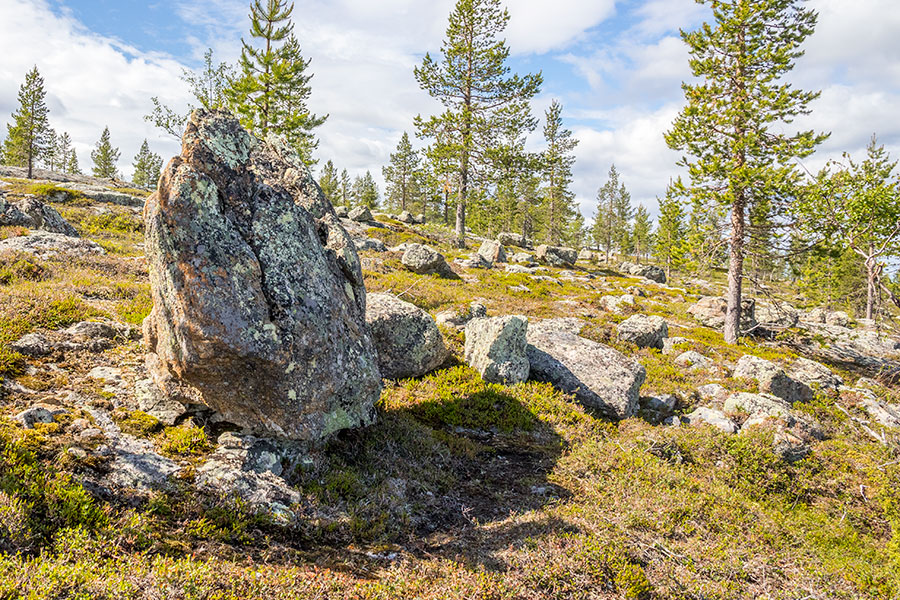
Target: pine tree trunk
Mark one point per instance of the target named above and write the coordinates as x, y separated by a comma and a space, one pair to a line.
461, 204
871, 273
735, 270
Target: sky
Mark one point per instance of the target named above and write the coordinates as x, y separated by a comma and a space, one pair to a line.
615, 65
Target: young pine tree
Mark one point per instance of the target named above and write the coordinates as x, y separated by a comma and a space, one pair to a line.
557, 173
105, 157
641, 233
473, 83
147, 167
365, 190
732, 125
670, 230
29, 136
402, 176
346, 188
330, 184
269, 94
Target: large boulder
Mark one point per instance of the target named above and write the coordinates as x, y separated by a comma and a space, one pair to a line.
258, 298
599, 376
495, 347
408, 340
772, 379
643, 331
425, 260
492, 252
556, 256
711, 310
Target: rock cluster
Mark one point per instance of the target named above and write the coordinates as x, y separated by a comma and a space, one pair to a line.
258, 297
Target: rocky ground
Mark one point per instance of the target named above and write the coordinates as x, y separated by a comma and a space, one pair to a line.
549, 427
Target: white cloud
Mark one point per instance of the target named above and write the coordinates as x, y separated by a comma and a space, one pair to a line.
538, 26
90, 81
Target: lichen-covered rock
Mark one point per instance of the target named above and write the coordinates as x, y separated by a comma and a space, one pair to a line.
523, 258
585, 254
711, 416
599, 376
492, 252
710, 311
693, 360
258, 296
643, 331
674, 345
496, 348
34, 214
779, 315
475, 261
455, 319
556, 256
45, 244
408, 341
370, 244
794, 432
617, 304
341, 212
835, 318
772, 379
360, 213
425, 260
506, 238
815, 375
406, 217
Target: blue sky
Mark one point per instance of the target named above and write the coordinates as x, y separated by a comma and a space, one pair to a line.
616, 66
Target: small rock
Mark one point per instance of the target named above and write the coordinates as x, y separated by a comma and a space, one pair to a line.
643, 331
772, 379
711, 416
370, 244
407, 339
712, 391
360, 213
44, 244
693, 360
815, 375
39, 413
670, 344
496, 348
556, 256
424, 260
512, 239
492, 252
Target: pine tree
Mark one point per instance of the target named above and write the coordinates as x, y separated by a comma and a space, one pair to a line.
147, 167
365, 190
208, 88
641, 233
614, 210
346, 188
29, 136
72, 167
329, 183
63, 152
557, 173
856, 206
293, 119
732, 123
472, 81
270, 93
670, 231
105, 157
402, 176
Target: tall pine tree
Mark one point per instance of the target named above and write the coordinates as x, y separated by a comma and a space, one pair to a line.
402, 176
473, 83
557, 173
641, 233
271, 91
732, 125
105, 157
29, 136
